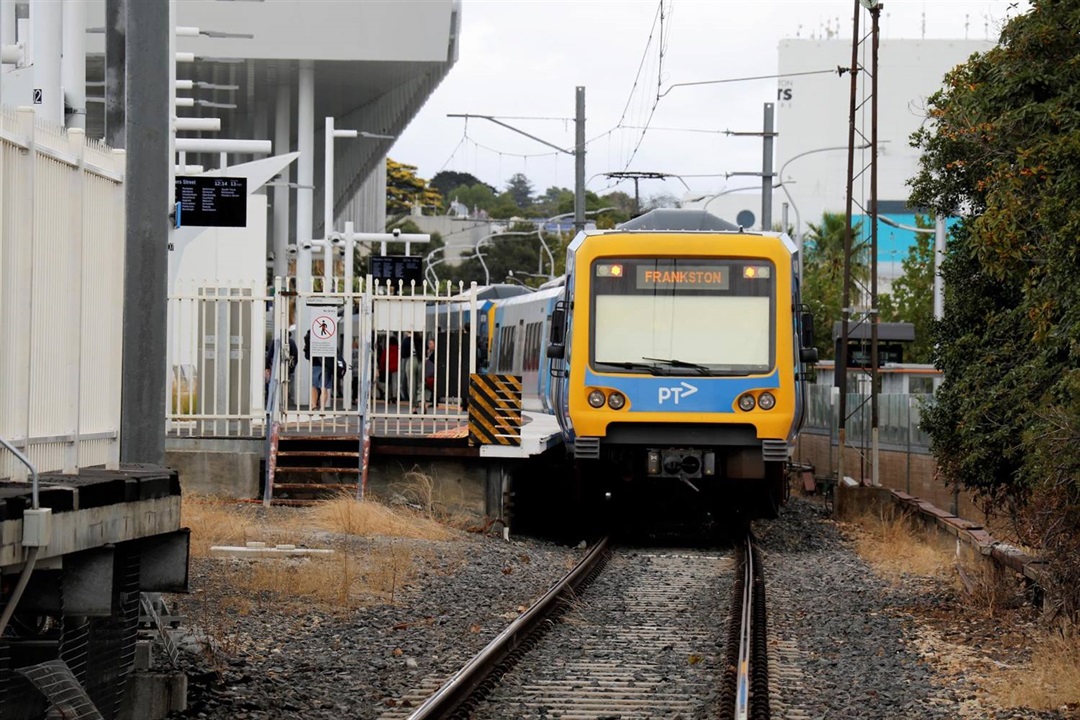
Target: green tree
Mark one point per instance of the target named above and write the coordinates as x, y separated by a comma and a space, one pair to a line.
502, 254
405, 189
520, 190
447, 180
478, 196
620, 200
912, 297
553, 198
1004, 149
823, 273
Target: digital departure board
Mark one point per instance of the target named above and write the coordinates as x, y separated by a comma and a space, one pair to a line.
394, 268
211, 202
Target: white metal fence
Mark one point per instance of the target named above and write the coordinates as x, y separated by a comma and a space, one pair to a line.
898, 417
61, 295
415, 344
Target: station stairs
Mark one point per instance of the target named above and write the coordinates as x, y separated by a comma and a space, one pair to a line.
307, 468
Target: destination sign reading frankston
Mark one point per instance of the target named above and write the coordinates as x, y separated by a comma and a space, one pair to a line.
211, 201
683, 277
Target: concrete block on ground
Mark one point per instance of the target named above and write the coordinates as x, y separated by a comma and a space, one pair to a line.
153, 695
260, 550
144, 654
853, 501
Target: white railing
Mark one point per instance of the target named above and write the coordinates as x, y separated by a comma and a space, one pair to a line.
61, 296
420, 352
216, 351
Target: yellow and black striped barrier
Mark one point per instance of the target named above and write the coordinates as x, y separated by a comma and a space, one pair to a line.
494, 409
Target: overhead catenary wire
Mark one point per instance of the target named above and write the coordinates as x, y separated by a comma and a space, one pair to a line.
662, 47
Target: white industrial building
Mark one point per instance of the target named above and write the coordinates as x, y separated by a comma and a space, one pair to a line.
812, 120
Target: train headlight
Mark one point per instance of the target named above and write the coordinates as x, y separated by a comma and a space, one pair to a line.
596, 399
746, 402
766, 401
616, 401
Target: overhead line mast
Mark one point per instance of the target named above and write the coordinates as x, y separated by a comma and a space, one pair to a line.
849, 311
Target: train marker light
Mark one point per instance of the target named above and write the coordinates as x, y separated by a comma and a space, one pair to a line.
746, 402
615, 271
653, 462
596, 399
616, 401
751, 272
766, 401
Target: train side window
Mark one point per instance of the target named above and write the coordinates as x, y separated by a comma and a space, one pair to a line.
557, 346
807, 330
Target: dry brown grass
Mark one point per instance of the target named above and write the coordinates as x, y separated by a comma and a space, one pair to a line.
341, 581
345, 514
346, 579
1050, 680
215, 522
888, 541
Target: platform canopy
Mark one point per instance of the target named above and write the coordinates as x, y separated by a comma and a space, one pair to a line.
375, 64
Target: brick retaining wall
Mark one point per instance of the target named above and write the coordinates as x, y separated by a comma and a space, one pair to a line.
894, 473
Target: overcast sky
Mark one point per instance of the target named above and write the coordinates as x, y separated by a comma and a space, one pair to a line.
523, 58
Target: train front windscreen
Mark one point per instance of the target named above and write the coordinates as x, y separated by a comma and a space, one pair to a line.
703, 316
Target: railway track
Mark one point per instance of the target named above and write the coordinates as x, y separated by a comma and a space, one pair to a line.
656, 633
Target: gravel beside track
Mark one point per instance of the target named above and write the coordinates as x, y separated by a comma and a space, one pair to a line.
844, 643
274, 661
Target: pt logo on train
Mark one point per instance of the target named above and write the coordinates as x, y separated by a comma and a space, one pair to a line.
683, 390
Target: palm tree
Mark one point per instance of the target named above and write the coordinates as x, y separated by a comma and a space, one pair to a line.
823, 269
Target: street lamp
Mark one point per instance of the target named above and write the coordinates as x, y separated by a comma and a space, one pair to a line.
939, 255
511, 279
429, 265
328, 183
783, 185
540, 235
486, 238
712, 197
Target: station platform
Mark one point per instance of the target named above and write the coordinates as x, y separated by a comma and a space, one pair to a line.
429, 435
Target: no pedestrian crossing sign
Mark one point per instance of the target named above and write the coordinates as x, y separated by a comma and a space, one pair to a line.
323, 342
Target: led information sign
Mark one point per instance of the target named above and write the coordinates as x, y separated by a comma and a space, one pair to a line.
684, 277
211, 202
391, 268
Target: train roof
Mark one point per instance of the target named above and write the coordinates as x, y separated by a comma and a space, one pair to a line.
679, 220
493, 292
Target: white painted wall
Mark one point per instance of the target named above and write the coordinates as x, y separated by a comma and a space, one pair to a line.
812, 112
221, 256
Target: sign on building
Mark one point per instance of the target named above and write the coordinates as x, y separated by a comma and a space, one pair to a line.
211, 202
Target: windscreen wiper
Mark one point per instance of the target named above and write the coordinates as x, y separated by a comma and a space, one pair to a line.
701, 369
651, 368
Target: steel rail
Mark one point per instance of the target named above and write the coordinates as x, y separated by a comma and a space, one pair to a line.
471, 675
742, 682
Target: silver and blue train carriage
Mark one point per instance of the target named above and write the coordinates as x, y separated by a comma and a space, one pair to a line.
680, 350
519, 329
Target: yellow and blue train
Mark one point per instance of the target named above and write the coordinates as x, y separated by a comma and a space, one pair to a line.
679, 349
674, 350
